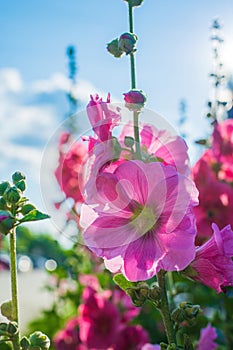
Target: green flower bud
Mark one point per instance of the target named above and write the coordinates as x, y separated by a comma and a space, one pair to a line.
129, 141
178, 315
18, 176
3, 186
3, 328
6, 310
27, 208
21, 185
12, 195
135, 2
155, 293
138, 294
113, 48
127, 43
12, 328
7, 222
24, 343
40, 340
3, 204
116, 148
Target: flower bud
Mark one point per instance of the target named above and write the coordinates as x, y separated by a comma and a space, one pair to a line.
6, 222
12, 195
135, 2
3, 328
135, 96
3, 186
21, 185
6, 310
18, 176
24, 343
38, 339
127, 43
113, 48
3, 204
12, 328
154, 293
129, 141
138, 294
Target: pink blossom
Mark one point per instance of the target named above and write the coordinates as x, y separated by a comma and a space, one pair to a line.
99, 320
208, 335
215, 198
135, 96
68, 338
127, 309
102, 118
213, 265
160, 145
68, 172
131, 337
148, 224
223, 141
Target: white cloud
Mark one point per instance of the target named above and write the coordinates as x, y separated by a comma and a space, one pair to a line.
29, 115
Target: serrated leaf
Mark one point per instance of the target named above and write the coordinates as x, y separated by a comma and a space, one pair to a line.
34, 215
122, 282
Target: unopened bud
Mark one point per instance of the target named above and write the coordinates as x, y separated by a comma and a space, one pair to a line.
12, 328
21, 185
127, 43
40, 340
18, 176
12, 195
7, 222
6, 310
3, 186
3, 204
113, 48
138, 294
154, 293
129, 141
24, 343
135, 2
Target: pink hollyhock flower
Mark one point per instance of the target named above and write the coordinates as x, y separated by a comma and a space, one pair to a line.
160, 145
215, 198
223, 141
213, 265
68, 173
99, 320
208, 335
144, 219
135, 97
68, 338
123, 302
131, 337
102, 118
151, 347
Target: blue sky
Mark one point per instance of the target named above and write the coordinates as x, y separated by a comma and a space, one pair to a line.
173, 62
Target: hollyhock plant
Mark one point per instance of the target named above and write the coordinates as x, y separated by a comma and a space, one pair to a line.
213, 265
148, 223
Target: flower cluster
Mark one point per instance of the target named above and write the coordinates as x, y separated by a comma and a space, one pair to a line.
213, 176
102, 322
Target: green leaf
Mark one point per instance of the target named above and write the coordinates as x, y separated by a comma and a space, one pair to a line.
122, 282
34, 215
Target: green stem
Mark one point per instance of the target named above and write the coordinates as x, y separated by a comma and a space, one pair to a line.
133, 86
14, 292
164, 308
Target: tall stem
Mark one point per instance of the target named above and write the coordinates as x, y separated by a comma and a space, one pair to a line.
14, 289
133, 85
164, 308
